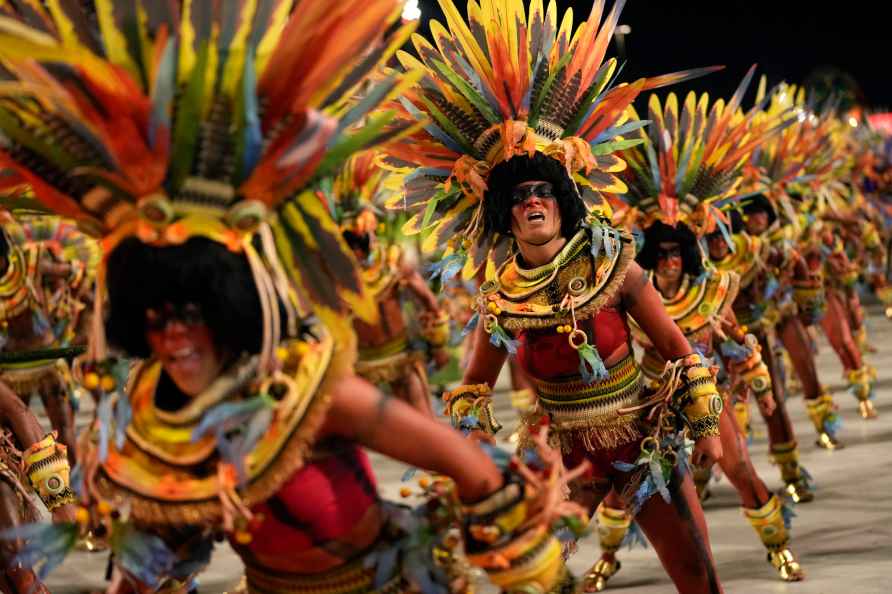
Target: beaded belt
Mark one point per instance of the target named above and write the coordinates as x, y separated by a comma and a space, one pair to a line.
385, 363
590, 411
33, 376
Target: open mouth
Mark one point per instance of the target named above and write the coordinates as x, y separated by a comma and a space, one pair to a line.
535, 216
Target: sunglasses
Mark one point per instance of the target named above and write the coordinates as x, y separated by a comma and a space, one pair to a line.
666, 253
188, 314
540, 190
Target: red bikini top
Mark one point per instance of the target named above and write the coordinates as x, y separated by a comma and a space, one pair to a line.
325, 514
546, 355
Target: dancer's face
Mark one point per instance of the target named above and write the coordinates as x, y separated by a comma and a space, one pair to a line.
669, 263
183, 343
757, 222
535, 216
718, 247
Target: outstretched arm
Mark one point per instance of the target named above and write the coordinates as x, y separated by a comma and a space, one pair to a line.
361, 413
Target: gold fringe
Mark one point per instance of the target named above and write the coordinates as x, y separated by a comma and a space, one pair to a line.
599, 437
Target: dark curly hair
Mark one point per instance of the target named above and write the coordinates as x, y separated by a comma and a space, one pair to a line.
659, 232
505, 176
4, 244
200, 271
760, 203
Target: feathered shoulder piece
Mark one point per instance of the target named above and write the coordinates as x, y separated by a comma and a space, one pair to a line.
508, 82
688, 164
171, 119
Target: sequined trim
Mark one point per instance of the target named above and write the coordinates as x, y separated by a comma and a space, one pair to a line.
590, 411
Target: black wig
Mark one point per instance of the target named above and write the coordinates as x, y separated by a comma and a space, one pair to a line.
200, 271
507, 175
760, 203
4, 245
659, 232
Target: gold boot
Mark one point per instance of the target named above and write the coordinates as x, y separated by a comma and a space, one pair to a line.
823, 415
861, 385
702, 476
796, 479
768, 522
613, 524
742, 414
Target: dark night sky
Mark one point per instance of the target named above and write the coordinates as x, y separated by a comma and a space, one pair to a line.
787, 38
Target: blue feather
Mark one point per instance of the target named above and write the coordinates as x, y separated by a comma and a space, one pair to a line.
104, 417
143, 555
163, 91
253, 136
634, 537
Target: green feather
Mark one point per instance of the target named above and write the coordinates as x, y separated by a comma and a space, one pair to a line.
447, 126
536, 108
468, 92
188, 123
593, 91
606, 148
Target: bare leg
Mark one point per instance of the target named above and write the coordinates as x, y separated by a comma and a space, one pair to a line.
737, 465
781, 437
839, 333
780, 428
836, 326
818, 402
14, 580
795, 339
677, 531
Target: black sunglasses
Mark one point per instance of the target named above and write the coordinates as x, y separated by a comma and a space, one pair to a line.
540, 190
666, 253
188, 314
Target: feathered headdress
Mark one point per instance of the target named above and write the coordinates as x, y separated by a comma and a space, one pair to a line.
356, 196
182, 119
781, 161
687, 165
828, 160
509, 82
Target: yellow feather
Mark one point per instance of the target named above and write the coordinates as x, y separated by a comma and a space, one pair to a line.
63, 24
563, 32
760, 91
113, 40
271, 38
142, 20
210, 74
671, 117
464, 39
187, 55
235, 61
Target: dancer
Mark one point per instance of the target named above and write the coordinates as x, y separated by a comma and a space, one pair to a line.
510, 164
41, 312
674, 211
385, 352
27, 457
225, 271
